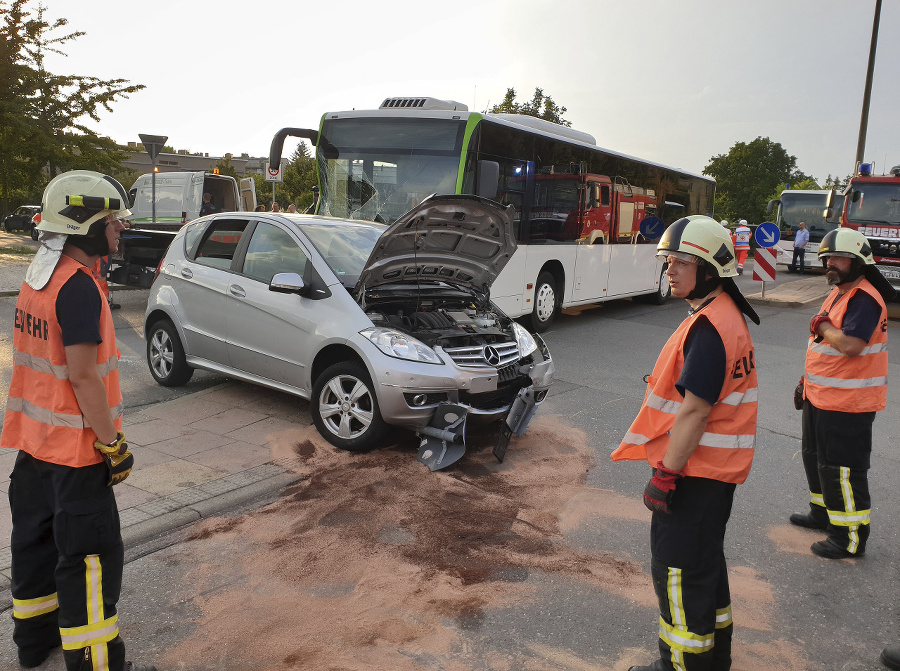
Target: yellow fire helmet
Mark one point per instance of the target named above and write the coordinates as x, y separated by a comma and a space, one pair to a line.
701, 237
846, 242
76, 199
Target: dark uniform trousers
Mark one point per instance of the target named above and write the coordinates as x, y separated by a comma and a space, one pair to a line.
836, 449
67, 559
691, 579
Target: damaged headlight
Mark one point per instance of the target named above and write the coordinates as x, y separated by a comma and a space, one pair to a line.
524, 340
400, 346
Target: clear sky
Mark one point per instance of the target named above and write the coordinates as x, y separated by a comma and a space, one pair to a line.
673, 81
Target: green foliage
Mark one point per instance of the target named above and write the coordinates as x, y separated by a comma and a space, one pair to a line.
747, 176
541, 106
299, 178
808, 184
225, 168
836, 182
43, 115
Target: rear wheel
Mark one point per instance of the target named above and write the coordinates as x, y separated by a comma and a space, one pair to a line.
543, 314
34, 232
662, 293
165, 355
345, 409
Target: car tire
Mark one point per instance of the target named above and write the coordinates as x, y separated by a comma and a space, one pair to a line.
546, 304
34, 233
662, 293
165, 355
345, 409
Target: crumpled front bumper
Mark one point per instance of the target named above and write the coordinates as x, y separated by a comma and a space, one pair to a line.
410, 392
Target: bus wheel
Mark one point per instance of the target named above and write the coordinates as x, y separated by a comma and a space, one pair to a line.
662, 293
545, 304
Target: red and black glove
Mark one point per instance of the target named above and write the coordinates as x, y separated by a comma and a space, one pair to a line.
816, 322
659, 491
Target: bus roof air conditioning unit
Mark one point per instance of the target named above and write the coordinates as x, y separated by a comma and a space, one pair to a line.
423, 104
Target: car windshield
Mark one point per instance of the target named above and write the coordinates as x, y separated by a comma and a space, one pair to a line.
345, 248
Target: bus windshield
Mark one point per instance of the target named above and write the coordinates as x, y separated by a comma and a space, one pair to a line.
873, 203
379, 169
808, 207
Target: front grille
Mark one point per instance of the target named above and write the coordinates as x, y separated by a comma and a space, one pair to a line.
477, 356
490, 400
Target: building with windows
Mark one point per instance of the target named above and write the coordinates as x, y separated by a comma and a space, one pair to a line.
185, 161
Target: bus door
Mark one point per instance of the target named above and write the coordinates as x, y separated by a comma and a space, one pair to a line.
632, 266
592, 254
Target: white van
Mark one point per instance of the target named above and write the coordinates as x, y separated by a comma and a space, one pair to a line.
179, 197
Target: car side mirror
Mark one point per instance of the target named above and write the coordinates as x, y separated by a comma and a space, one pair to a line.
288, 283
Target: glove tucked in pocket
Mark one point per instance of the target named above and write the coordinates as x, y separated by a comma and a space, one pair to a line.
118, 459
798, 395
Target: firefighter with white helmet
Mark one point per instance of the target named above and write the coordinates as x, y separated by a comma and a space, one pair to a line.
844, 385
64, 416
696, 429
741, 241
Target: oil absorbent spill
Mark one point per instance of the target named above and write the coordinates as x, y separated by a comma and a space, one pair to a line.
373, 562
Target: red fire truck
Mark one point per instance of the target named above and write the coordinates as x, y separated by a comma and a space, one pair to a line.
872, 207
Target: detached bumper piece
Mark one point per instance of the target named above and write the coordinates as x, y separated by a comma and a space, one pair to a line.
517, 420
443, 440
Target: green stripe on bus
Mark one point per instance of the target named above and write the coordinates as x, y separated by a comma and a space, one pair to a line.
471, 123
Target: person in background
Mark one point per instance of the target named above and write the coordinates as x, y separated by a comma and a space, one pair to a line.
697, 430
292, 208
276, 207
800, 242
844, 385
260, 208
64, 416
207, 207
741, 244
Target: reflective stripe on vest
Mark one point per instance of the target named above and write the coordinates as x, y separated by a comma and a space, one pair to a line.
43, 417
840, 383
725, 450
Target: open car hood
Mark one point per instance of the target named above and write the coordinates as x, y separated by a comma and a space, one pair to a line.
462, 240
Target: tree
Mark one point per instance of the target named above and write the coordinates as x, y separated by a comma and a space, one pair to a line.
803, 185
300, 177
225, 167
541, 106
42, 115
748, 174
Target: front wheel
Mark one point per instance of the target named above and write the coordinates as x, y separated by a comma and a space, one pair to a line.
34, 233
345, 409
165, 355
543, 314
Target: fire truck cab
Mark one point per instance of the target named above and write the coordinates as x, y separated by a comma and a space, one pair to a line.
872, 207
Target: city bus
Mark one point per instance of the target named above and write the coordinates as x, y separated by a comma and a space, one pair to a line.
813, 207
578, 207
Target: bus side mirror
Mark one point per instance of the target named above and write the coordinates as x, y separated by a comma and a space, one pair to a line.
855, 196
488, 179
771, 205
827, 213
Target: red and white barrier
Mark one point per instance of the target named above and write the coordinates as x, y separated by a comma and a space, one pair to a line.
764, 264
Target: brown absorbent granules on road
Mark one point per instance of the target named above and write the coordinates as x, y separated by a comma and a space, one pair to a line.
375, 563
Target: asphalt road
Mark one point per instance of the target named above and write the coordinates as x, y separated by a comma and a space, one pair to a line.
793, 611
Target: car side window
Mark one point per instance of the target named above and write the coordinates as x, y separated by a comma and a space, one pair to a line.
272, 250
220, 243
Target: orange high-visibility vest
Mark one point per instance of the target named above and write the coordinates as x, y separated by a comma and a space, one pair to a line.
837, 382
725, 451
43, 417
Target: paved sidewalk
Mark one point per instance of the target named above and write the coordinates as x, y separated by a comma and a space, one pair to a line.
194, 457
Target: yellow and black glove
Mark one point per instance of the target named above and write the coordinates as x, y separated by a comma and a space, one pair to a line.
117, 457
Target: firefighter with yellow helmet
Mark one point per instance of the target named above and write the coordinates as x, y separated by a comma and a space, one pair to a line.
697, 430
844, 385
64, 416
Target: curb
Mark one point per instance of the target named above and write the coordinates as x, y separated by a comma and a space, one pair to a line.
172, 512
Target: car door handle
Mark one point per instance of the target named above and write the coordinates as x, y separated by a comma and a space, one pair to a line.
186, 273
237, 291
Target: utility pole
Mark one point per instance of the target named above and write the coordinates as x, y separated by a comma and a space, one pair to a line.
864, 119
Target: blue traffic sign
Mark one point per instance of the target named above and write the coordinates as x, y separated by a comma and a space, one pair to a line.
652, 227
767, 234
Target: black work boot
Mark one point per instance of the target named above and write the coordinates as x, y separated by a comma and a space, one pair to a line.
131, 666
29, 659
890, 657
828, 549
656, 666
816, 518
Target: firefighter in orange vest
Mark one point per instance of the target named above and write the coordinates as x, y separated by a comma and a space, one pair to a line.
845, 384
64, 416
697, 429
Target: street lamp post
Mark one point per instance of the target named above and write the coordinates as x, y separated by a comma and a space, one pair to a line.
864, 119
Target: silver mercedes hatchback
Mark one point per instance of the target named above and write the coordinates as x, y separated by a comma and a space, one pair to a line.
376, 325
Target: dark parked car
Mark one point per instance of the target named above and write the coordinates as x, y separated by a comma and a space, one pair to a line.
20, 220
